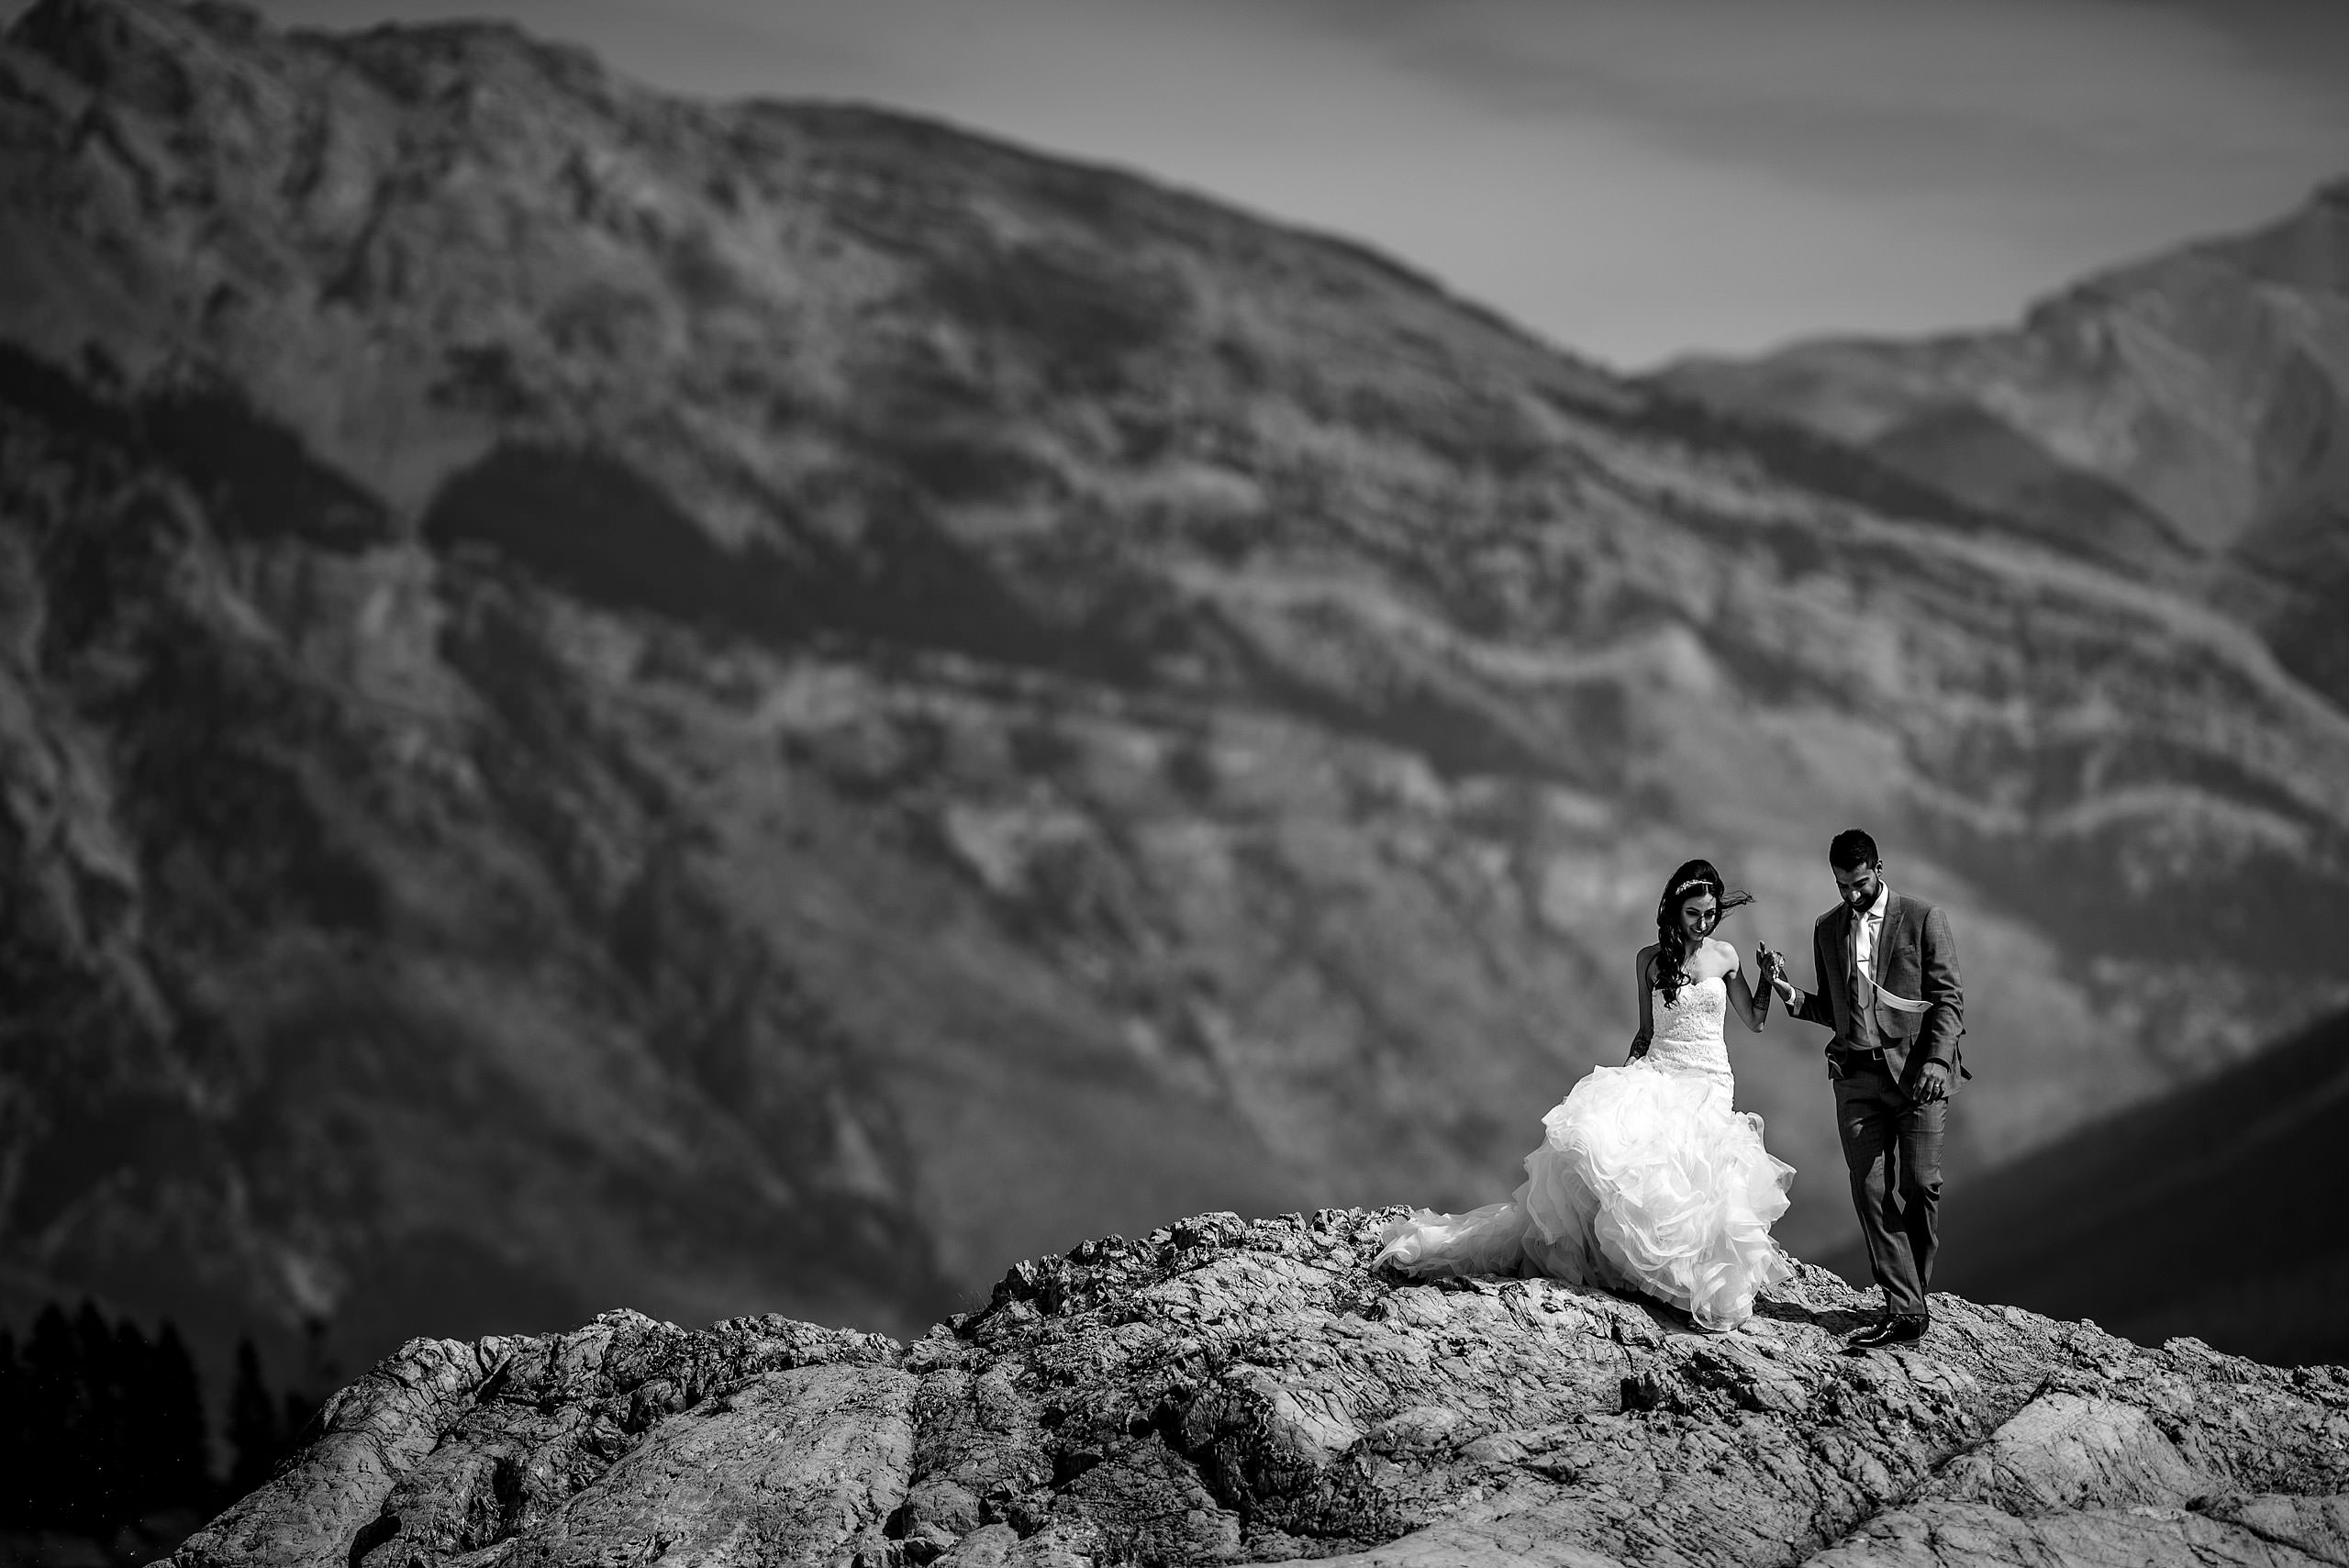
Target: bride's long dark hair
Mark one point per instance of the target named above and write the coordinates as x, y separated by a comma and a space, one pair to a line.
1672, 942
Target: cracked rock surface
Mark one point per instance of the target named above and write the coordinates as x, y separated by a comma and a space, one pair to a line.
1224, 1391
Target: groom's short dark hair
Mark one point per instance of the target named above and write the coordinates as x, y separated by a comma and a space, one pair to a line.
1851, 850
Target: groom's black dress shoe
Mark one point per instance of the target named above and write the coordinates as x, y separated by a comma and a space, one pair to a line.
1898, 1329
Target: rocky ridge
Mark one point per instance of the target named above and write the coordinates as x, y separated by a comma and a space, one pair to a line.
1220, 1391
2185, 417
607, 698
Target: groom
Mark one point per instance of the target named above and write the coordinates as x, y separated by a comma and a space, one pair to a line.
1888, 969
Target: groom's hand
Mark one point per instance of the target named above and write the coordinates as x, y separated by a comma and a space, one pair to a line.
1932, 1082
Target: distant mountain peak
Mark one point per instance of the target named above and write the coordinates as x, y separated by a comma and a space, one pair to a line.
2183, 417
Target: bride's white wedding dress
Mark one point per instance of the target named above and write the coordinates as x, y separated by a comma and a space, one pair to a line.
1647, 1181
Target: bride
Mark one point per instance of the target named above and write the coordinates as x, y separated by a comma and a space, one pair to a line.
1647, 1180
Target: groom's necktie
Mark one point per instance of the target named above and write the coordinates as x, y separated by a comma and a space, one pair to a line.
1863, 955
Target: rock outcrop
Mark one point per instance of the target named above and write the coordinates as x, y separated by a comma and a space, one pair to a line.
1220, 1392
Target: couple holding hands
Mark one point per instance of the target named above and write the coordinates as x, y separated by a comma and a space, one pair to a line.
1648, 1179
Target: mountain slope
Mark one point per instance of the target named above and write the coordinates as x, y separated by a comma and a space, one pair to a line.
2213, 1210
605, 699
2186, 417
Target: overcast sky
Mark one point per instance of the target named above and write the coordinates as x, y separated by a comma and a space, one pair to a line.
1631, 178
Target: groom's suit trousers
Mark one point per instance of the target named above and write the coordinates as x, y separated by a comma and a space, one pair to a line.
1892, 1147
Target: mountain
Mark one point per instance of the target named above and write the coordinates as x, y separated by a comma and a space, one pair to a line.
1217, 1392
2213, 1210
606, 699
2185, 418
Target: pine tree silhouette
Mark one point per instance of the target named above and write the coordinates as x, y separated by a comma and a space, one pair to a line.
105, 1418
99, 1426
297, 1408
179, 1458
254, 1429
55, 1414
14, 1434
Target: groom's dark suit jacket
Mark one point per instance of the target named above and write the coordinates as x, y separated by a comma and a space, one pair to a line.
1916, 958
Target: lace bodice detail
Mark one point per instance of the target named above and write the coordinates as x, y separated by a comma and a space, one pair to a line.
1687, 1037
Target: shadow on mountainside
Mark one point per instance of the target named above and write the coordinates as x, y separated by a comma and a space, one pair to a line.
2215, 1211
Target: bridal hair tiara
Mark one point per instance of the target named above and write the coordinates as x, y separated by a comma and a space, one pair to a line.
1730, 897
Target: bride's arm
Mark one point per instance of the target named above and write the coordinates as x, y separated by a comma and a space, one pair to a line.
1647, 1017
1754, 1011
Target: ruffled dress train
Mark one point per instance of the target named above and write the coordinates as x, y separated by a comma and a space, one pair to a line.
1646, 1180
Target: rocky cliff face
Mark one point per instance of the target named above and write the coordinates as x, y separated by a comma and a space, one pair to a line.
2186, 417
1221, 1392
605, 699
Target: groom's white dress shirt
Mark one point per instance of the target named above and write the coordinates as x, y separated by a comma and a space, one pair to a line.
1865, 930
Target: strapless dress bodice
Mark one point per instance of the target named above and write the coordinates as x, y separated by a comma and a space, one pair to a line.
1687, 1035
